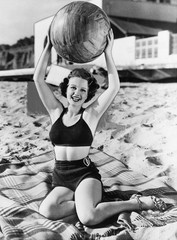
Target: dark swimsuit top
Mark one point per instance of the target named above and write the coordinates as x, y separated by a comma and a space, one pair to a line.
78, 134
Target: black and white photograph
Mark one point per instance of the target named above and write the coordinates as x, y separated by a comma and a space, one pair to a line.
88, 120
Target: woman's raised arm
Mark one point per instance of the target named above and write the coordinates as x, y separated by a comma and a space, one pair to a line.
48, 98
106, 98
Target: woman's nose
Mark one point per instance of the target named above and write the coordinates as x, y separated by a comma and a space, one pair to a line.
76, 91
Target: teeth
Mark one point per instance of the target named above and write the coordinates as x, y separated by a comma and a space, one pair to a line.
76, 99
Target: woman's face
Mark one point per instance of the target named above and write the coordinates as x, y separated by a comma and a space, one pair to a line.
77, 91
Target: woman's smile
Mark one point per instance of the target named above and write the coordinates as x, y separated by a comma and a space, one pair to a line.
76, 98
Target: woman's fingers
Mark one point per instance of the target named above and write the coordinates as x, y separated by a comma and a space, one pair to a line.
127, 224
125, 221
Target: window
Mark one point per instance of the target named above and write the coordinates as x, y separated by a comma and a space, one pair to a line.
137, 54
149, 52
137, 44
144, 43
155, 41
143, 53
156, 52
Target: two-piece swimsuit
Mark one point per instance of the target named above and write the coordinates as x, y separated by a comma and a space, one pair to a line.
70, 173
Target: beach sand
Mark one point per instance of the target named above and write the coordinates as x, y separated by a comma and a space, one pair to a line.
139, 128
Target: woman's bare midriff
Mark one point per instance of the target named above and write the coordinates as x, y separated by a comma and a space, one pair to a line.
64, 153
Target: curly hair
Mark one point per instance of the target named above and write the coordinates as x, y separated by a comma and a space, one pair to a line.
82, 73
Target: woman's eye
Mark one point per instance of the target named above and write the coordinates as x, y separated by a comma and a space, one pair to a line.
83, 90
73, 88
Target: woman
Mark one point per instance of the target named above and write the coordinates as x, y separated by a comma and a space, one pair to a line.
77, 188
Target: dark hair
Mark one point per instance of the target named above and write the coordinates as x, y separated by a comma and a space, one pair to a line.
82, 73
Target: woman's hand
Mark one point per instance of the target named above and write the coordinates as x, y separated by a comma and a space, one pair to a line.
110, 42
125, 221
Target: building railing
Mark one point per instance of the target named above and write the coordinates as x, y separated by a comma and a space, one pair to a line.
171, 2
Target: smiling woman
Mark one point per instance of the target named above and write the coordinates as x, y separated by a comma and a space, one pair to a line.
77, 191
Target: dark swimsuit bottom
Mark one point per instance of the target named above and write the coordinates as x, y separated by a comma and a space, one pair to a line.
70, 173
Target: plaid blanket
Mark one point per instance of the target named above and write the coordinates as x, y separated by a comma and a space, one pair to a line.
23, 185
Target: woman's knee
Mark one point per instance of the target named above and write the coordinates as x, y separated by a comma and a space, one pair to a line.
47, 210
51, 207
88, 217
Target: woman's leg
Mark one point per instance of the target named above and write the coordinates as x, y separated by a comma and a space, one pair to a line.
92, 211
59, 204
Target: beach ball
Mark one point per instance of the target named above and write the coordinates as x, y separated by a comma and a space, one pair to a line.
79, 31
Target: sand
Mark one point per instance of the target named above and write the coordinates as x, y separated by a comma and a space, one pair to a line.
139, 128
